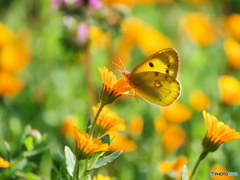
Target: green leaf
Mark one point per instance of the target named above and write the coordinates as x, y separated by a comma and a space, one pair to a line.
184, 173
35, 152
70, 160
31, 176
29, 143
8, 148
105, 160
106, 139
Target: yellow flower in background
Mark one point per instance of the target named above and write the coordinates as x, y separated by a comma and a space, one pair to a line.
14, 56
175, 167
160, 124
197, 1
124, 48
173, 138
101, 177
112, 88
176, 113
154, 1
4, 164
199, 101
217, 133
120, 2
107, 121
232, 49
121, 142
68, 125
143, 35
199, 28
6, 35
233, 25
10, 85
98, 38
220, 169
133, 3
136, 126
85, 146
229, 88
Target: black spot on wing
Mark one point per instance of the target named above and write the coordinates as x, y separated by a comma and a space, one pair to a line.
150, 64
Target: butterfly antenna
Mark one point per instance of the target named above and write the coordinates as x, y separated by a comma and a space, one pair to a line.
122, 64
119, 67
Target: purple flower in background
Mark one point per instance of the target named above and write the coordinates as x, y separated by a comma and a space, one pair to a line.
57, 3
95, 4
78, 2
82, 33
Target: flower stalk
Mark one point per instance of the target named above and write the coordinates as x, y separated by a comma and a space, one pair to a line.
201, 157
95, 119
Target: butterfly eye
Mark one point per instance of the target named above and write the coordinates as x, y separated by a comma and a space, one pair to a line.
151, 64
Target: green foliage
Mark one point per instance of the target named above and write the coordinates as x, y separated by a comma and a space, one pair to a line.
70, 160
184, 173
105, 160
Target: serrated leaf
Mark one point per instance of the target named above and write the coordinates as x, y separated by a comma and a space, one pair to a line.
105, 160
184, 173
70, 160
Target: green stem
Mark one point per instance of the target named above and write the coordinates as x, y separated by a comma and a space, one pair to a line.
76, 170
95, 119
201, 157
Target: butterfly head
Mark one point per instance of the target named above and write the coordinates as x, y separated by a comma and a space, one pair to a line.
125, 75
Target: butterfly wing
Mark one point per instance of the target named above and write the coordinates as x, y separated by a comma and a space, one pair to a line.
155, 87
164, 61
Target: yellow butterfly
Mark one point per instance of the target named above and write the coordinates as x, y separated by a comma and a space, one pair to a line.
154, 79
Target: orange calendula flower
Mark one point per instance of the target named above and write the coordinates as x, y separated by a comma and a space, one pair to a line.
101, 177
173, 138
107, 121
9, 84
4, 164
217, 133
98, 38
133, 3
232, 49
6, 35
143, 35
85, 146
160, 124
69, 122
122, 143
233, 24
112, 88
124, 48
199, 28
219, 169
136, 126
199, 101
176, 113
175, 167
229, 89
197, 2
14, 55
